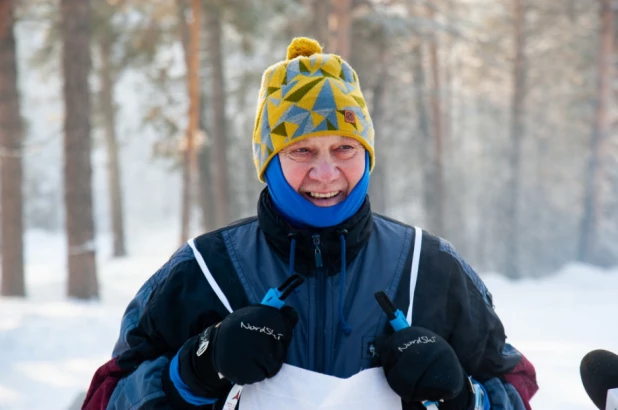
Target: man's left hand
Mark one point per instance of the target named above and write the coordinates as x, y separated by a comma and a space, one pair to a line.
421, 366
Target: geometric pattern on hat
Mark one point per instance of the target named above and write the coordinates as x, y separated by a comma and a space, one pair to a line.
309, 94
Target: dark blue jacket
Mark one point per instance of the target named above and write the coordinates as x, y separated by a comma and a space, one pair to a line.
253, 255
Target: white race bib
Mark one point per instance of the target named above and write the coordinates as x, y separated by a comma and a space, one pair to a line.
300, 389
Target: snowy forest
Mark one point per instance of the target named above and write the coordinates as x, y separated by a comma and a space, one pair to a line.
125, 128
494, 121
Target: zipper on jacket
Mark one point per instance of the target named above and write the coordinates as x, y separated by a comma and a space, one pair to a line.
318, 251
320, 278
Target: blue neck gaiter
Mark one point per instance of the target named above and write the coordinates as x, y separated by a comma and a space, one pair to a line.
301, 212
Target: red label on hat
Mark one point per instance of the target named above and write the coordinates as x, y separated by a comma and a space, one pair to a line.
349, 116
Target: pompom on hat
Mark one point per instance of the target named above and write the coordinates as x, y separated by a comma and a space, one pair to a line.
309, 94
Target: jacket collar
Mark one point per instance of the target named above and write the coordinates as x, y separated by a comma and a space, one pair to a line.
279, 234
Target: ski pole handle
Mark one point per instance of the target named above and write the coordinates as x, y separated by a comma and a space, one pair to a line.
395, 316
275, 296
398, 321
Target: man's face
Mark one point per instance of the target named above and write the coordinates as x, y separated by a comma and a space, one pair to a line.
324, 169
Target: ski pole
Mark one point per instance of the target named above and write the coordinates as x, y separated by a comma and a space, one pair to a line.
398, 321
395, 316
274, 297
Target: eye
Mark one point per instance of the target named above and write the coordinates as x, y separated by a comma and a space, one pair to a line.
300, 153
346, 151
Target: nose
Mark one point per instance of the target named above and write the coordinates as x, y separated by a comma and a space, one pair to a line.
324, 170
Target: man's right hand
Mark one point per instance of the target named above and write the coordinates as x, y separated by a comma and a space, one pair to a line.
246, 347
250, 344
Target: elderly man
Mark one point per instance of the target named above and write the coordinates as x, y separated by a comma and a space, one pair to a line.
283, 303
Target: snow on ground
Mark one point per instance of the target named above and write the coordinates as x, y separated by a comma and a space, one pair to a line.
555, 321
50, 347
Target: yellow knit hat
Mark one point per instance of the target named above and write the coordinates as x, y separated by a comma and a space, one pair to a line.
307, 95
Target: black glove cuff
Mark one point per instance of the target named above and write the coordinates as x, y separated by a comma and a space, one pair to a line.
198, 372
175, 399
464, 400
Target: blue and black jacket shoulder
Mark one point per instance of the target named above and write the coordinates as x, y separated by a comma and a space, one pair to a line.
253, 255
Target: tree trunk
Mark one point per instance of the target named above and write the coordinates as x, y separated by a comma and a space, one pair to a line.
447, 106
419, 82
250, 188
319, 26
592, 201
456, 195
111, 141
193, 91
76, 65
339, 28
219, 163
436, 208
204, 179
513, 183
11, 134
378, 190
207, 203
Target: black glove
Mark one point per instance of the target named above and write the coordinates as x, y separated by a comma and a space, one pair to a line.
420, 365
246, 347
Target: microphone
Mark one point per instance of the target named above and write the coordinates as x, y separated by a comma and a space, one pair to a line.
599, 372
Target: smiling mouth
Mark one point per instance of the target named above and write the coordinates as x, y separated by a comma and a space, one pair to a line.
319, 195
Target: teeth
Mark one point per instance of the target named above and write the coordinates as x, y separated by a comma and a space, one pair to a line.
318, 195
